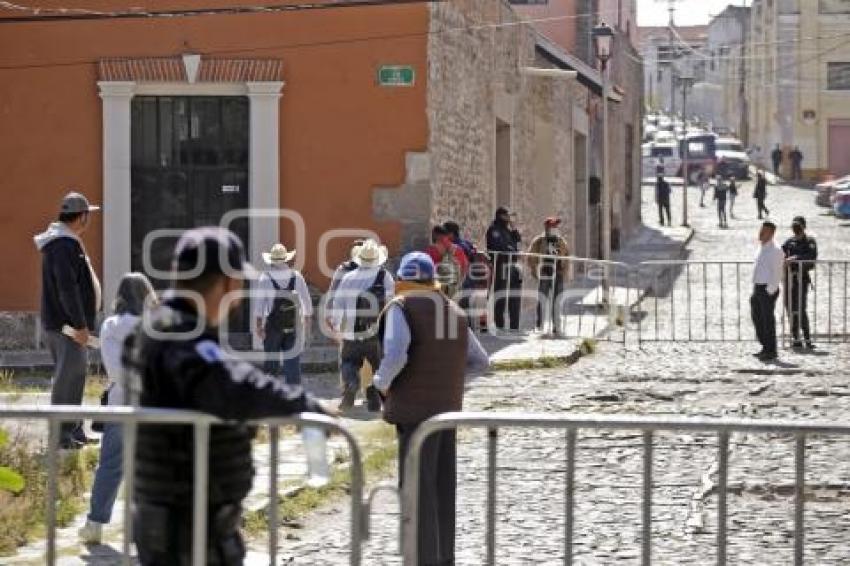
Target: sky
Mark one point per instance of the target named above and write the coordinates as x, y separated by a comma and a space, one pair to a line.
688, 12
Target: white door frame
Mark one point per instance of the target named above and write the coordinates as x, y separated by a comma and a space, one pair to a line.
264, 168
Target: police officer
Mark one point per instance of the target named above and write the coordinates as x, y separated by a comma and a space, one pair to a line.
178, 363
801, 250
504, 239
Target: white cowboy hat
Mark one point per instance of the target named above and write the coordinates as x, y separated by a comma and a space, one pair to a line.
371, 254
278, 254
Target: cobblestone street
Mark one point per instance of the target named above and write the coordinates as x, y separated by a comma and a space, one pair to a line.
658, 378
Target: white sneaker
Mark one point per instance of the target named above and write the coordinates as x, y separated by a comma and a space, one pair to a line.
91, 533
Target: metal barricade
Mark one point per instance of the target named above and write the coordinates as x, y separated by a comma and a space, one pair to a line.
709, 301
131, 417
572, 424
580, 297
815, 296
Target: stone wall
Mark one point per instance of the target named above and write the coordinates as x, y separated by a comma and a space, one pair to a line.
475, 82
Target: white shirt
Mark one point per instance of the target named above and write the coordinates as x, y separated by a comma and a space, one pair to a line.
113, 333
768, 267
266, 292
344, 304
397, 342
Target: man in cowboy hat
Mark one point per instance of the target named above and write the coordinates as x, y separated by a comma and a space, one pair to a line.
282, 313
356, 303
70, 299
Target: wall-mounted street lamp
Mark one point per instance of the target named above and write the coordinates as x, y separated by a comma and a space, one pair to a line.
603, 40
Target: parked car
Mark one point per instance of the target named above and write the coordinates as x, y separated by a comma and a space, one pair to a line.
841, 204
660, 154
827, 189
732, 159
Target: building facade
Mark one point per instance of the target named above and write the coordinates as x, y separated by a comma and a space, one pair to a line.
798, 85
327, 123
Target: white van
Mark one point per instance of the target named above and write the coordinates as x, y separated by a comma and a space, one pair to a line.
663, 154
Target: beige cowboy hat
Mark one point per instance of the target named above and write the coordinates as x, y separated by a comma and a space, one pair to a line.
371, 254
278, 254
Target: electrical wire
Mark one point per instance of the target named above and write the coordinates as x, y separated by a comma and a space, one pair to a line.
333, 42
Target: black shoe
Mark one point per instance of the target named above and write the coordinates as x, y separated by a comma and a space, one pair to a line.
797, 345
80, 436
768, 356
758, 354
373, 399
809, 345
348, 396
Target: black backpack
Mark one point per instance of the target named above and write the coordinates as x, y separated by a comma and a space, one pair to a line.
370, 303
283, 317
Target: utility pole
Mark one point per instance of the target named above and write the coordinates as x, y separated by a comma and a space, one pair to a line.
671, 9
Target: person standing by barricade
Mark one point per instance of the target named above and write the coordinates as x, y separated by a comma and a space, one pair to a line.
801, 252
767, 279
134, 295
176, 361
503, 240
70, 300
550, 272
427, 348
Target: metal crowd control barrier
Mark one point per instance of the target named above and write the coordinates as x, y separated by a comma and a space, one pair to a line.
709, 301
587, 298
572, 424
131, 417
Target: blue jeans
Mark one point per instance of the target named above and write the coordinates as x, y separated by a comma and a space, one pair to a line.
274, 345
107, 478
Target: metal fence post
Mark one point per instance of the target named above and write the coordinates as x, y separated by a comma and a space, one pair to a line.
569, 496
646, 542
799, 497
492, 445
274, 438
199, 501
52, 487
128, 432
722, 481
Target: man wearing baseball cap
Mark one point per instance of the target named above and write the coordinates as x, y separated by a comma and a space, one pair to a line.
427, 347
70, 299
545, 264
179, 363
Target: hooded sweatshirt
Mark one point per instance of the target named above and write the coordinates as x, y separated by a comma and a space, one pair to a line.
70, 290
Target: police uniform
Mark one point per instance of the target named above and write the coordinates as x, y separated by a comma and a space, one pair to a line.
507, 278
798, 282
177, 367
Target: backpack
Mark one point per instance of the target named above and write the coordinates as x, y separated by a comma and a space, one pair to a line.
370, 303
283, 316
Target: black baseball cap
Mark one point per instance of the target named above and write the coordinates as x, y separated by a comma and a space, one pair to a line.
211, 250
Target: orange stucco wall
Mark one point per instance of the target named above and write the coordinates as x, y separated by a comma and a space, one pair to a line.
341, 134
561, 24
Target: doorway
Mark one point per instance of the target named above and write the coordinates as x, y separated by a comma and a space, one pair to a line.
189, 167
503, 164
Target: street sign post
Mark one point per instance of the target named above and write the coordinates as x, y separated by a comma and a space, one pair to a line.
396, 76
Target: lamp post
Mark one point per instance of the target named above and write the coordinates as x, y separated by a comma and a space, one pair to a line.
687, 82
603, 39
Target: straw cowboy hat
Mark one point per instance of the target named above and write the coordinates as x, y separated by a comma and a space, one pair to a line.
278, 254
371, 254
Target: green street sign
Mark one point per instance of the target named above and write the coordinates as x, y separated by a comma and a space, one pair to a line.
396, 75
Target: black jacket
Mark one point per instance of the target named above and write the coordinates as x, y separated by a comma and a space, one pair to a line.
500, 238
760, 191
67, 289
179, 371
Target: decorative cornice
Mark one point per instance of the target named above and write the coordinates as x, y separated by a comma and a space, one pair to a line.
173, 70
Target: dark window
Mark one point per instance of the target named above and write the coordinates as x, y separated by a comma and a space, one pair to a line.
838, 76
